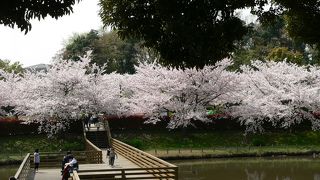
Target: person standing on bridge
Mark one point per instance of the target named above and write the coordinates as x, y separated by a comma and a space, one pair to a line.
36, 160
86, 119
94, 119
112, 156
67, 158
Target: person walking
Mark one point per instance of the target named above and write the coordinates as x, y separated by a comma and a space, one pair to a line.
36, 160
112, 156
94, 119
86, 119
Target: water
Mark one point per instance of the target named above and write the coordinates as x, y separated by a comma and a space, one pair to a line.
249, 169
7, 171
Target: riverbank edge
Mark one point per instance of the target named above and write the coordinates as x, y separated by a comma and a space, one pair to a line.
183, 156
186, 156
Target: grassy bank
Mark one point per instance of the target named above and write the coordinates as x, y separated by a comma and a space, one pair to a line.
14, 148
227, 152
222, 144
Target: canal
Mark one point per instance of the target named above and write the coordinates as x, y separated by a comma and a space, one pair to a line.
250, 169
302, 168
7, 171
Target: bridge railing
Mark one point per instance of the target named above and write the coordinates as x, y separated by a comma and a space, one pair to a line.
97, 156
153, 165
127, 173
24, 169
94, 154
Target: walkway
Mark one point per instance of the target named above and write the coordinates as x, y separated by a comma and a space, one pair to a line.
54, 173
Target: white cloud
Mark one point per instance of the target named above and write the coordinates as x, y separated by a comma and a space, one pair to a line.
47, 36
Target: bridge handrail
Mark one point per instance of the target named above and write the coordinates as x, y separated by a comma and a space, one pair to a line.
24, 169
145, 160
141, 153
84, 156
91, 146
75, 175
130, 173
106, 126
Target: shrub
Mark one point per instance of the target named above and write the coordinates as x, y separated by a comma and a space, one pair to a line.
137, 143
258, 141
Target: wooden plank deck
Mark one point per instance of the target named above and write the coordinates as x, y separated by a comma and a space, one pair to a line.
55, 174
52, 173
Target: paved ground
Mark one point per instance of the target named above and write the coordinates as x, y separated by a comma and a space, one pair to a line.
121, 162
54, 173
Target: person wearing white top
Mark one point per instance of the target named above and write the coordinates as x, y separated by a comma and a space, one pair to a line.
72, 162
36, 159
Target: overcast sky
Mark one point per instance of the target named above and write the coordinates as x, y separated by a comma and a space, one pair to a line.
47, 36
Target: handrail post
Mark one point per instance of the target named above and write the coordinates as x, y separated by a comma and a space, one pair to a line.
75, 175
123, 174
176, 172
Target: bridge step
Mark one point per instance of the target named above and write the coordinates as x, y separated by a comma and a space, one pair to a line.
98, 138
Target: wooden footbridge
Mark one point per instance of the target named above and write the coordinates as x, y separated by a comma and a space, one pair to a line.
132, 163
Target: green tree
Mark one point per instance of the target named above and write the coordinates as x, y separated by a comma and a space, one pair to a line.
107, 48
269, 42
7, 66
184, 32
283, 53
302, 18
119, 55
195, 33
20, 12
79, 44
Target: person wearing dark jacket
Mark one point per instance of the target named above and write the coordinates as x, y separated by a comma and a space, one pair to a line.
66, 159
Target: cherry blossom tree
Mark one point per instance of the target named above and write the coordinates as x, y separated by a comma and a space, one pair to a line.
4, 90
68, 89
54, 98
7, 86
103, 93
280, 93
59, 96
185, 93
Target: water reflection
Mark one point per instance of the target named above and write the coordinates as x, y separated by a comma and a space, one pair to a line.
255, 175
7, 171
250, 169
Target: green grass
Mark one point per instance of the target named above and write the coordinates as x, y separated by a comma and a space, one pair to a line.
210, 139
14, 148
206, 144
234, 151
